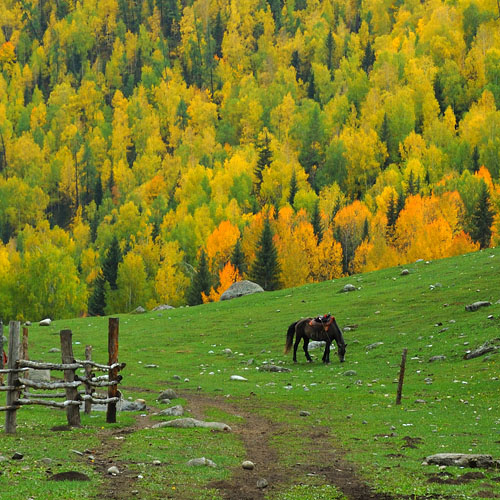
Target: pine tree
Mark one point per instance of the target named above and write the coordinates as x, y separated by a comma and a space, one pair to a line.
392, 216
330, 48
238, 258
384, 135
400, 205
263, 161
97, 301
475, 159
368, 58
482, 218
293, 188
200, 282
316, 222
266, 269
110, 265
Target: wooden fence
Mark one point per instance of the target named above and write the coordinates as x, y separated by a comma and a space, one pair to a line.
18, 381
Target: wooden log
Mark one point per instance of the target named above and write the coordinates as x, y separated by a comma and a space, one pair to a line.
401, 376
5, 388
49, 366
68, 404
16, 370
101, 383
72, 411
1, 352
12, 379
49, 385
113, 374
100, 401
24, 345
88, 375
101, 367
57, 395
8, 408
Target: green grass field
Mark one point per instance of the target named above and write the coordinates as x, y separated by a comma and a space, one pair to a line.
449, 405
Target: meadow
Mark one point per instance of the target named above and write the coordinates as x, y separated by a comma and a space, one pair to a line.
314, 432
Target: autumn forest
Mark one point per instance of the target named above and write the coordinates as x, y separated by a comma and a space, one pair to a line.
155, 151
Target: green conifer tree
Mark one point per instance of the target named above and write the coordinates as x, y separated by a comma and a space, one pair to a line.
97, 301
293, 188
110, 265
200, 282
316, 222
238, 259
482, 218
266, 269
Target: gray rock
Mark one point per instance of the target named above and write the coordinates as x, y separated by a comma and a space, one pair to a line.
349, 288
54, 349
437, 358
405, 272
17, 456
201, 462
164, 401
3, 459
476, 305
350, 373
138, 310
168, 394
174, 411
238, 377
39, 375
189, 423
163, 307
487, 347
45, 322
262, 483
137, 405
241, 288
304, 413
113, 470
373, 346
273, 368
248, 465
461, 460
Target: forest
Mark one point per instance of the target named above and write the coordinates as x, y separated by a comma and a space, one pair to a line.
154, 152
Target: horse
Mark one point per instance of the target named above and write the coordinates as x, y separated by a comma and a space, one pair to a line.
324, 329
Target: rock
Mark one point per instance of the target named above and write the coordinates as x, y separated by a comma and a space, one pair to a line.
241, 288
137, 405
405, 272
151, 366
156, 462
45, 322
201, 462
227, 351
248, 465
138, 310
174, 411
70, 475
461, 460
39, 375
273, 368
488, 346
238, 377
17, 456
164, 401
54, 349
304, 413
350, 373
168, 394
437, 358
349, 288
316, 344
163, 307
113, 470
373, 346
3, 459
189, 423
262, 483
476, 305
46, 461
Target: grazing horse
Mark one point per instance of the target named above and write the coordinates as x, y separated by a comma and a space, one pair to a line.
324, 329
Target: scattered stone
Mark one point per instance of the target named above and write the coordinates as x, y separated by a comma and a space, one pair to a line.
45, 322
248, 465
39, 375
113, 470
168, 394
373, 346
138, 310
350, 373
162, 307
54, 349
273, 368
436, 285
227, 351
188, 423
304, 413
238, 377
262, 483
156, 462
437, 358
17, 456
69, 476
472, 461
151, 366
241, 288
476, 305
488, 346
405, 272
420, 401
164, 401
46, 461
174, 411
201, 462
176, 377
349, 288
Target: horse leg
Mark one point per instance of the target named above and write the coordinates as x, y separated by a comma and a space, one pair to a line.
306, 352
295, 346
326, 354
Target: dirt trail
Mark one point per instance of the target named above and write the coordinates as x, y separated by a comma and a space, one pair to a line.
256, 434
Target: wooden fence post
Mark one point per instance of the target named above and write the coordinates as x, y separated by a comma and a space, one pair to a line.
12, 377
24, 349
401, 376
113, 374
72, 411
1, 351
88, 375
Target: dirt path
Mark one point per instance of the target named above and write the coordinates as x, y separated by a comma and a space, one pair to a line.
256, 434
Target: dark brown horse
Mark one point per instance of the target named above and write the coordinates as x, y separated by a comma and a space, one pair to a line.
324, 329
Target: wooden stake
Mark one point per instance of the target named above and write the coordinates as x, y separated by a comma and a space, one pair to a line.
113, 374
401, 376
88, 375
12, 377
72, 411
1, 351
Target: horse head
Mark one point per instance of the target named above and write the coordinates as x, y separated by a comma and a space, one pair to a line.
341, 352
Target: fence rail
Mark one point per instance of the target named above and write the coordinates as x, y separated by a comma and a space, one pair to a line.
18, 363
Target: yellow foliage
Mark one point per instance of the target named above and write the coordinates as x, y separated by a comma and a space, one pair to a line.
220, 244
227, 276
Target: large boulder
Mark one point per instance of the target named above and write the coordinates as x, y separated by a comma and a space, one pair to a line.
241, 288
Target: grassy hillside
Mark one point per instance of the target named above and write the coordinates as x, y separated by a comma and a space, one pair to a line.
450, 405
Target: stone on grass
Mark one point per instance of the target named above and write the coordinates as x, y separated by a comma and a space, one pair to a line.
241, 288
462, 460
45, 322
173, 411
373, 346
437, 358
201, 462
350, 373
138, 310
262, 483
189, 423
167, 394
273, 368
162, 307
238, 377
349, 288
476, 305
113, 470
248, 465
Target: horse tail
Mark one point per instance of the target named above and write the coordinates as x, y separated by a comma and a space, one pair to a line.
289, 337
